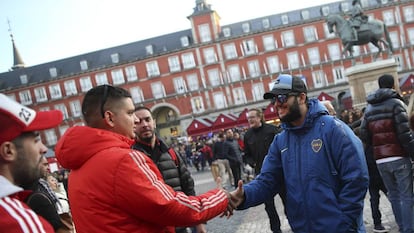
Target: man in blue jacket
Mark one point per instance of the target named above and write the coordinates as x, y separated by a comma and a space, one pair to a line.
320, 160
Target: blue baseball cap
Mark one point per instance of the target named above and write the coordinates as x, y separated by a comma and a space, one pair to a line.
285, 84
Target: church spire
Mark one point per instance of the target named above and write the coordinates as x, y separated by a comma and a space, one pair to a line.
17, 59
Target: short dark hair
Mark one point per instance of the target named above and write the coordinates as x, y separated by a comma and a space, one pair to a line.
386, 81
100, 97
143, 108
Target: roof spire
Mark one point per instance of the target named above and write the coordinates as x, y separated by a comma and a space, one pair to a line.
17, 59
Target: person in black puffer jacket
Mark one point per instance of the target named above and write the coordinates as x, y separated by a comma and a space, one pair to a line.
385, 129
169, 162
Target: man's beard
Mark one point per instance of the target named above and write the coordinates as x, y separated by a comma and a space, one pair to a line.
146, 139
293, 114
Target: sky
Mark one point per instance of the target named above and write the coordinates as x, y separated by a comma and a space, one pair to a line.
49, 30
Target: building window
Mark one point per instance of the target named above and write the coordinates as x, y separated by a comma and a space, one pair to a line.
63, 109
158, 90
75, 108
179, 85
305, 14
239, 96
325, 10
400, 62
319, 78
249, 47
115, 58
51, 138
149, 50
258, 91
84, 65
152, 69
408, 12
344, 7
269, 43
185, 41
197, 104
395, 40
288, 39
327, 33
214, 77
388, 17
101, 79
188, 60
219, 100
23, 79
131, 73
230, 51
192, 82
40, 94
254, 68
62, 129
334, 52
53, 72
55, 91
205, 34
85, 83
410, 35
293, 60
210, 55
314, 56
285, 19
266, 23
246, 27
339, 74
136, 94
174, 64
117, 77
25, 97
70, 87
226, 32
234, 73
273, 64
310, 34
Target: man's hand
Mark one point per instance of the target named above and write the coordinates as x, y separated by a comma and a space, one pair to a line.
237, 196
201, 228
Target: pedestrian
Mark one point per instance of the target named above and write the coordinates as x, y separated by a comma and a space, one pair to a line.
113, 188
385, 128
220, 160
21, 152
169, 162
233, 155
257, 141
317, 157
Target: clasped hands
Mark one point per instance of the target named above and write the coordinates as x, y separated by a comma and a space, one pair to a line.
235, 197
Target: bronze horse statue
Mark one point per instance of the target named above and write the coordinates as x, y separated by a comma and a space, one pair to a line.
371, 32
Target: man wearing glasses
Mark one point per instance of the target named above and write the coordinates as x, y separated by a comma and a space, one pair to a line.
317, 157
113, 188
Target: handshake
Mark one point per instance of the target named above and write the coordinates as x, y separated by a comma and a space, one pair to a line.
235, 197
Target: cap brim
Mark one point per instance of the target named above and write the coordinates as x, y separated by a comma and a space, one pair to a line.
45, 120
273, 93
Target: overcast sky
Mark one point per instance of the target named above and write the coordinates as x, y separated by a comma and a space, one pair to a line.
48, 30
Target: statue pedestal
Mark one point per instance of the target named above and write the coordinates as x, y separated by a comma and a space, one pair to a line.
363, 79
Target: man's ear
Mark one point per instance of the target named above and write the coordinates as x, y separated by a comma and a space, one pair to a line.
108, 118
8, 152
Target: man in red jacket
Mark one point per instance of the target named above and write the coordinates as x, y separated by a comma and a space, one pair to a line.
21, 151
113, 188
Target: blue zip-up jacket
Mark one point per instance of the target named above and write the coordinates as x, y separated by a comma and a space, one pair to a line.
323, 166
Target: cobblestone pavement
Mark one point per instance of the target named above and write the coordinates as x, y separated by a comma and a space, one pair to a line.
255, 220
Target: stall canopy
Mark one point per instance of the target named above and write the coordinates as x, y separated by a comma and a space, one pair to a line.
242, 119
323, 96
224, 121
199, 127
407, 83
270, 112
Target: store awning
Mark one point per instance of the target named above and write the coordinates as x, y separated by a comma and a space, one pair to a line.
224, 121
199, 127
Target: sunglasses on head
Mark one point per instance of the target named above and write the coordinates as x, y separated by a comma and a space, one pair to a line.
282, 98
104, 98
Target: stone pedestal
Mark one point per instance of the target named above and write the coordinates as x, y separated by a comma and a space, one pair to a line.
363, 79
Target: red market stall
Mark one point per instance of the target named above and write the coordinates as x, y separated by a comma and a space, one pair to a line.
242, 119
224, 121
199, 127
323, 96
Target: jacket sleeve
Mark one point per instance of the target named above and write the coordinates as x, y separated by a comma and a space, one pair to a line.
42, 206
141, 191
349, 160
404, 134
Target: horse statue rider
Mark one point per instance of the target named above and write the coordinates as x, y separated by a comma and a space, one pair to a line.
357, 18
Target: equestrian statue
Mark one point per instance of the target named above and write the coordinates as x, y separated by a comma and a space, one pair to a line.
358, 30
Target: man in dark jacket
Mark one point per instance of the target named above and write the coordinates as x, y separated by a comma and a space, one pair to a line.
256, 144
170, 163
385, 128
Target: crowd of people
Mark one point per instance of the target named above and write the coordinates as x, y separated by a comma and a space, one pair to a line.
319, 163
